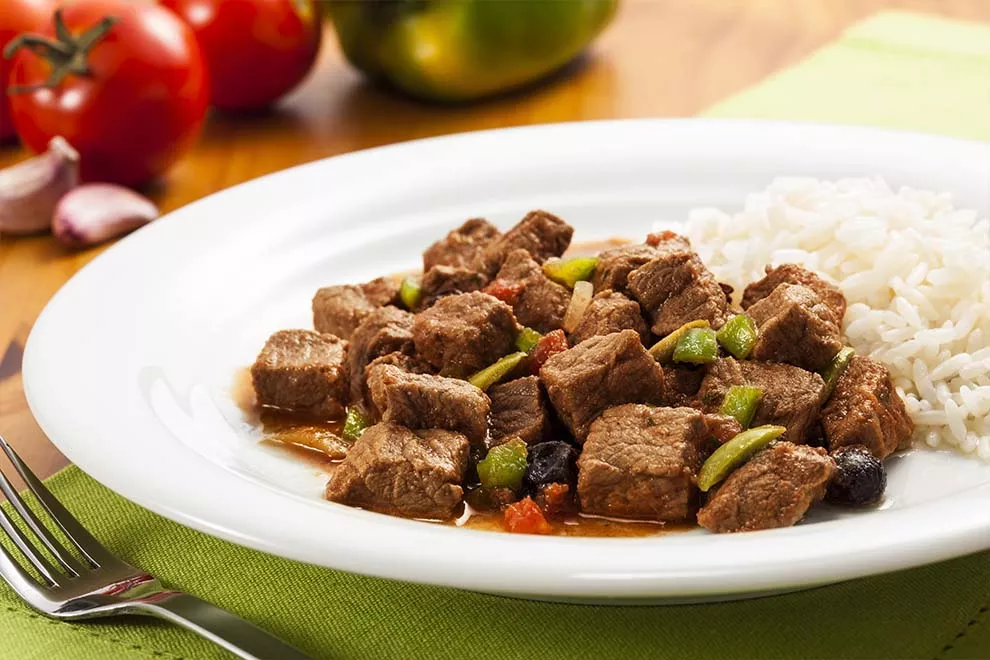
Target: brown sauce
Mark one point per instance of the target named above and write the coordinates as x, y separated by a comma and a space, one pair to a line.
319, 443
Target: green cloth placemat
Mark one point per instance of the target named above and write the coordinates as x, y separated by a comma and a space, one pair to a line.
870, 76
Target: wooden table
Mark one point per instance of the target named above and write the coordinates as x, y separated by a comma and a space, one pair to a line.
661, 58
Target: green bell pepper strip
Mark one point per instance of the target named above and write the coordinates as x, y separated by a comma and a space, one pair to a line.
410, 293
835, 369
570, 271
354, 424
738, 336
734, 453
527, 339
663, 350
741, 402
495, 372
697, 346
461, 50
504, 466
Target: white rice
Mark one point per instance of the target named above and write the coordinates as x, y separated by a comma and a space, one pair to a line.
916, 273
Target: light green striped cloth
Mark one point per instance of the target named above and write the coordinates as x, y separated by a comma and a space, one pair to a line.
897, 70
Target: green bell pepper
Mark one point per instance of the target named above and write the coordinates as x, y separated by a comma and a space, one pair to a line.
459, 50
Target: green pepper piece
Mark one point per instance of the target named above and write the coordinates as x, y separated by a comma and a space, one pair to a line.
741, 402
504, 466
527, 339
734, 453
354, 424
570, 271
461, 50
663, 350
738, 336
410, 293
835, 369
495, 372
697, 346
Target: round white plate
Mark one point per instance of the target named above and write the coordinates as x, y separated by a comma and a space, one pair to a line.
129, 367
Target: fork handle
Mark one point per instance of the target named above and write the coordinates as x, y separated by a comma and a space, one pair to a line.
233, 633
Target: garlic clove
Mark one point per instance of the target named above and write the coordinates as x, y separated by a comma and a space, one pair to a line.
30, 189
97, 212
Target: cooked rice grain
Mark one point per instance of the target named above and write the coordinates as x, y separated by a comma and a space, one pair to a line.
916, 272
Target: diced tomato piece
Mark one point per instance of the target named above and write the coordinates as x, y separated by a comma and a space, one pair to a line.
555, 500
506, 291
551, 344
524, 517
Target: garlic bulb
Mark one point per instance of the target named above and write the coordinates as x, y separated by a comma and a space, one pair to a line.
97, 212
30, 189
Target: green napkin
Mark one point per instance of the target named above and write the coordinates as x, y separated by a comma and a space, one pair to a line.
895, 70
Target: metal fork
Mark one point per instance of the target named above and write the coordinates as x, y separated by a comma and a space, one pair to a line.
103, 585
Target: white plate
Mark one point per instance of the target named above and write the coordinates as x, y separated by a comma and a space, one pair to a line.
129, 367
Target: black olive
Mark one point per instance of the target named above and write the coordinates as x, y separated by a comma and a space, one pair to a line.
860, 478
551, 462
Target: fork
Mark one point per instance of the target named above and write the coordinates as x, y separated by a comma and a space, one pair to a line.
102, 585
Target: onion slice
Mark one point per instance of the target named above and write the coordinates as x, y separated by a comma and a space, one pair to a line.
580, 299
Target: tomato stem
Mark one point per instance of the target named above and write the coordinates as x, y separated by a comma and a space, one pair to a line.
68, 54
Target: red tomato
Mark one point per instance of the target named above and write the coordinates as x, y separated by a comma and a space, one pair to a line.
256, 50
507, 292
18, 16
140, 106
549, 345
524, 517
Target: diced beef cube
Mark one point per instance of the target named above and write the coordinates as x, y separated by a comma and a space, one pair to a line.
540, 303
681, 383
394, 470
795, 327
722, 427
461, 247
339, 309
441, 281
668, 241
463, 333
304, 371
641, 462
610, 312
793, 274
615, 264
542, 234
866, 409
383, 331
420, 401
773, 489
519, 410
600, 373
675, 288
792, 397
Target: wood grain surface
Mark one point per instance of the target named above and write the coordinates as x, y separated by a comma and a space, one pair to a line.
660, 58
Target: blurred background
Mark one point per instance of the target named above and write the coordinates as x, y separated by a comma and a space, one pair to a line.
255, 86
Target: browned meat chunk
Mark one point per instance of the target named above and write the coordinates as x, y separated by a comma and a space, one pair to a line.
599, 373
641, 462
675, 288
794, 274
302, 370
339, 309
463, 333
393, 470
542, 234
461, 247
441, 281
722, 427
681, 383
419, 401
519, 410
773, 489
865, 409
668, 241
615, 264
795, 327
792, 397
610, 312
541, 302
383, 331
